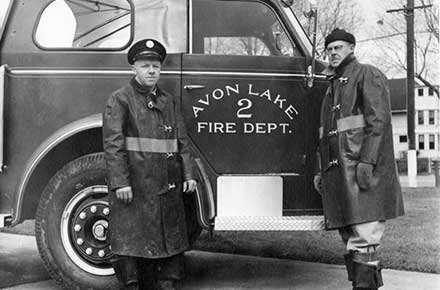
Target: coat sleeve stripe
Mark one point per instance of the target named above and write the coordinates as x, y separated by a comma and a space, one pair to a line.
351, 122
151, 145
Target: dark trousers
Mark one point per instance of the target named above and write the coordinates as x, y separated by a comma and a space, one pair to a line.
146, 273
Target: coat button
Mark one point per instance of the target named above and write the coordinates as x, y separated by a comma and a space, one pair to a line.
332, 133
334, 162
168, 155
171, 186
167, 128
343, 80
336, 107
150, 105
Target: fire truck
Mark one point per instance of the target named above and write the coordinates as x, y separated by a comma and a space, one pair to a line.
243, 73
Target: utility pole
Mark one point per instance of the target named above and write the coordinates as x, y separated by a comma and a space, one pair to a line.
412, 153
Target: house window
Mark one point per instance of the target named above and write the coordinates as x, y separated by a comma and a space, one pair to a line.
403, 138
420, 92
431, 117
431, 141
430, 92
421, 142
420, 117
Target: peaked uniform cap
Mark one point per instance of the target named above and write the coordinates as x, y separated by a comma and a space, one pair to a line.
146, 49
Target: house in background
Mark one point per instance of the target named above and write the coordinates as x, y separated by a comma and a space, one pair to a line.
427, 121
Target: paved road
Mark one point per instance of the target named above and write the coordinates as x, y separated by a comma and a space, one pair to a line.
211, 271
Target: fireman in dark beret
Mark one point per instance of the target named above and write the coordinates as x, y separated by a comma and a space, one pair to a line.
149, 168
358, 178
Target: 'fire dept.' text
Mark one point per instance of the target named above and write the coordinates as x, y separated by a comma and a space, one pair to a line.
246, 128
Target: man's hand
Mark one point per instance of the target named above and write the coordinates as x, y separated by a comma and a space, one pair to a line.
125, 194
317, 182
189, 185
364, 174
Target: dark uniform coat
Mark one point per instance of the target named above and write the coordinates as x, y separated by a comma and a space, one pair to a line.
146, 147
356, 127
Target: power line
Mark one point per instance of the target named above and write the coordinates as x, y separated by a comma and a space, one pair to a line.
388, 35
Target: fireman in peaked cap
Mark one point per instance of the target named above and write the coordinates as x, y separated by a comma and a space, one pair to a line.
149, 168
358, 178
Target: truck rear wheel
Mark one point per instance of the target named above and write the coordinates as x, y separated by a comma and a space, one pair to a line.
71, 225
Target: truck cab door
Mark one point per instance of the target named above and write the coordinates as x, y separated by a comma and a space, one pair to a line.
244, 98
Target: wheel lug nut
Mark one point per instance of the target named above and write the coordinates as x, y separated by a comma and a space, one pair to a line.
93, 209
82, 215
101, 253
77, 228
106, 211
80, 241
89, 251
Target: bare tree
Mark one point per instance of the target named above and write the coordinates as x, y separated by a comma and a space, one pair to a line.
331, 14
390, 38
431, 18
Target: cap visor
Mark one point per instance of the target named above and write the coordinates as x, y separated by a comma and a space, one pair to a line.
149, 55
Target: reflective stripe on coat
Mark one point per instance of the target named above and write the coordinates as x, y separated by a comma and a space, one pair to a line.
146, 147
356, 127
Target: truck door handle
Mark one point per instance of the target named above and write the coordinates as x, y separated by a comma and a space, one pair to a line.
193, 87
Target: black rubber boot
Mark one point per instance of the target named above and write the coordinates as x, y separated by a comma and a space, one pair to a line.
366, 275
126, 272
349, 265
146, 274
169, 284
170, 272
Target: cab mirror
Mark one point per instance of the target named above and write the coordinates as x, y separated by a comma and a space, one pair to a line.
287, 3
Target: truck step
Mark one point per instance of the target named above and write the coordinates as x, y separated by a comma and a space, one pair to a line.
269, 223
5, 220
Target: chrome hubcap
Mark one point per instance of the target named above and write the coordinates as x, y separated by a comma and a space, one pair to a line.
84, 228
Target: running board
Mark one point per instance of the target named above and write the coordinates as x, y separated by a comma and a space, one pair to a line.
269, 223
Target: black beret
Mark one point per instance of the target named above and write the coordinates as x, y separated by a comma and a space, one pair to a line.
339, 34
146, 48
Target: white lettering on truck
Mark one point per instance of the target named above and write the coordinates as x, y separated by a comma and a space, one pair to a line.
244, 111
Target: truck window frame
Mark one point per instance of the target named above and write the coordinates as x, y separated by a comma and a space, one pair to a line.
130, 40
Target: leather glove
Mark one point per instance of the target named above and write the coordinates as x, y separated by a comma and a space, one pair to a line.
317, 182
125, 194
364, 174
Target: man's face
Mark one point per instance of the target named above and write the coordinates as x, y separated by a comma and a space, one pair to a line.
147, 71
337, 51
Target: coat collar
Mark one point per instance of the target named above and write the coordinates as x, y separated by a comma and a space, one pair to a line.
154, 95
144, 90
332, 72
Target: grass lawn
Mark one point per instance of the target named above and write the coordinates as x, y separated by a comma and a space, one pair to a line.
411, 242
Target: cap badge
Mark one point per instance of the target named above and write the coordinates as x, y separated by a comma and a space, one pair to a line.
149, 44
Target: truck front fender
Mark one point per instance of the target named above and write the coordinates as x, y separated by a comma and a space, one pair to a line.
87, 123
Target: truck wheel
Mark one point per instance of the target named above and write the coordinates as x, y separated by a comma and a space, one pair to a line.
71, 226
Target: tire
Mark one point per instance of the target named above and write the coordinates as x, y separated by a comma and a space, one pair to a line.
71, 218
79, 187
